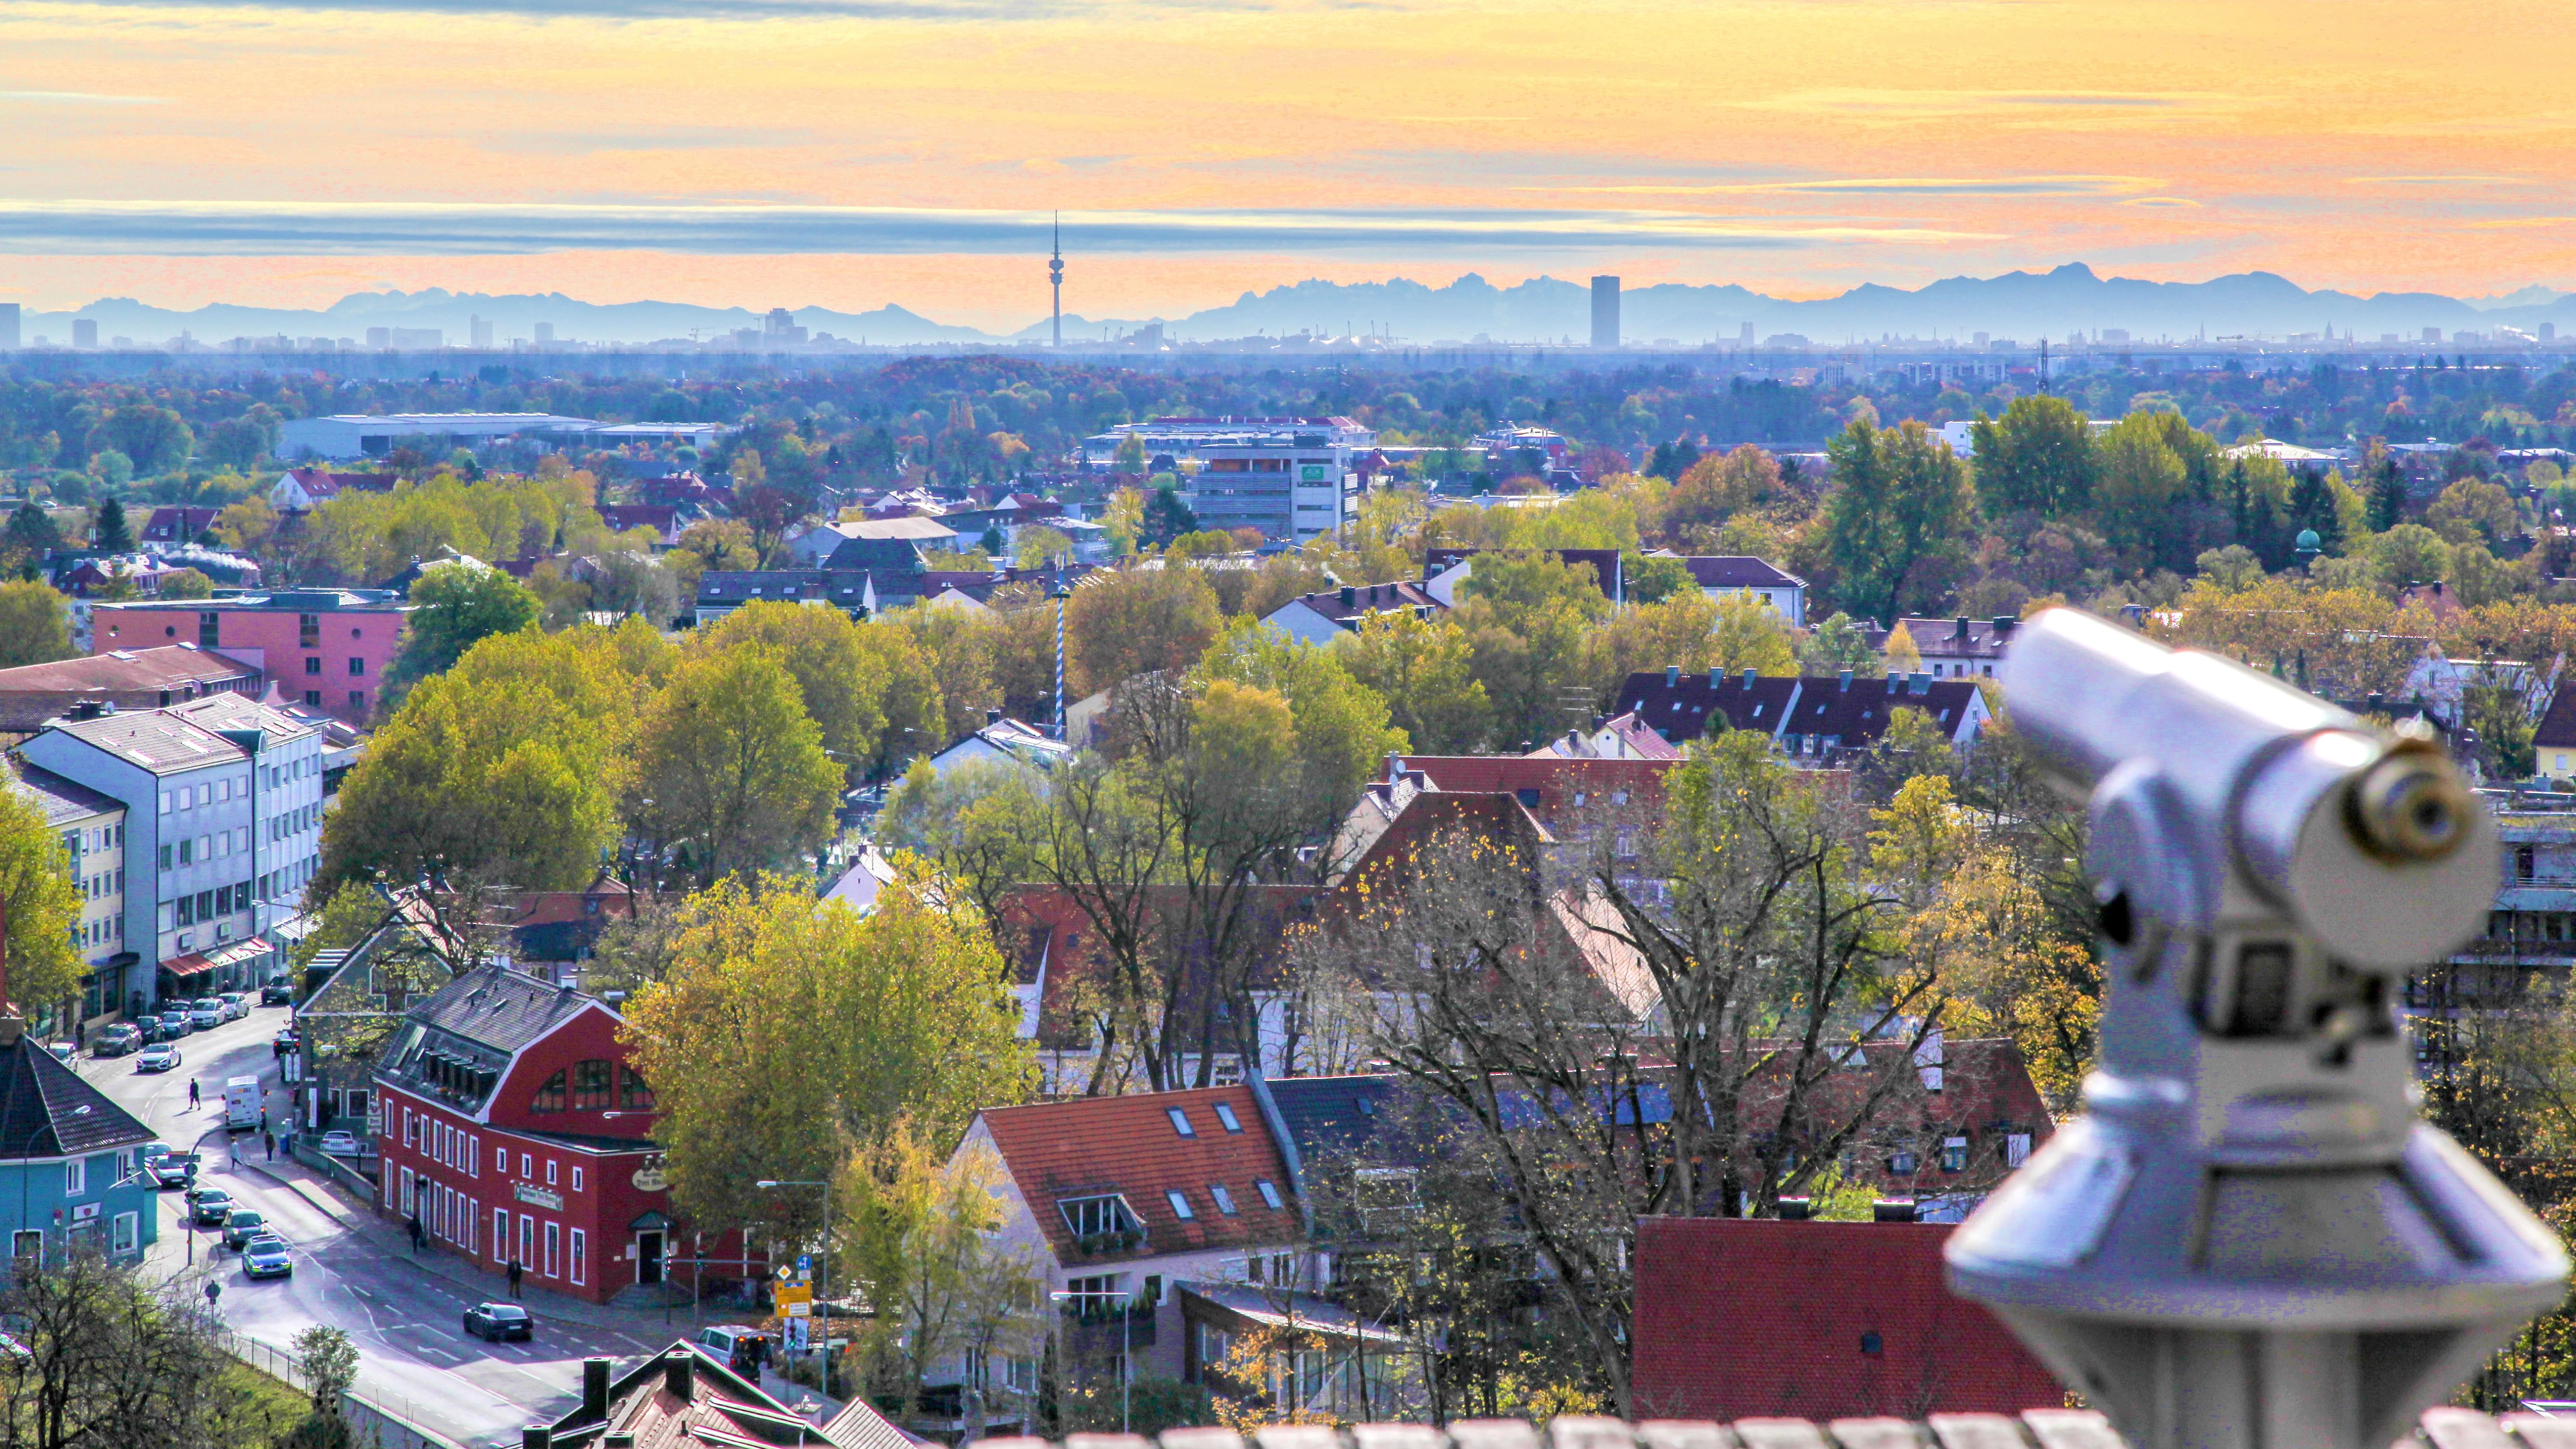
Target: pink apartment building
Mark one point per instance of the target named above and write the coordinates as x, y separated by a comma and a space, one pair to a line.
327, 648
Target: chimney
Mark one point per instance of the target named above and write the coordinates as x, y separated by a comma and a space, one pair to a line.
622, 1439
1843, 681
1749, 676
1963, 627
1672, 675
1795, 1209
536, 1436
680, 1370
594, 1388
2004, 626
1892, 1210
1350, 596
1716, 675
992, 716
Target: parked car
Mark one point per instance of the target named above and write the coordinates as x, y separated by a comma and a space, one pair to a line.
265, 1257
212, 1206
493, 1322
339, 1143
205, 1014
175, 1024
161, 1056
116, 1041
276, 992
241, 1225
236, 1005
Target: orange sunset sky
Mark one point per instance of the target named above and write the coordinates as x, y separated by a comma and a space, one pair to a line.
850, 153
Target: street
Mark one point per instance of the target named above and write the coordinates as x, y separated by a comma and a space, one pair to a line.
415, 1363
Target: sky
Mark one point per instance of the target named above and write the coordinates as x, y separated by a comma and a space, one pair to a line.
852, 153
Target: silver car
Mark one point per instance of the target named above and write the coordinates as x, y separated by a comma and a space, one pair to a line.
205, 1014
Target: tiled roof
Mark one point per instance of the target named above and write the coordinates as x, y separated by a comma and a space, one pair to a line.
157, 740
177, 523
2042, 1425
63, 801
166, 666
457, 1042
1097, 1146
1681, 709
1741, 1318
1730, 571
844, 588
1331, 1116
1049, 943
2557, 729
722, 1408
1956, 638
1552, 781
47, 1110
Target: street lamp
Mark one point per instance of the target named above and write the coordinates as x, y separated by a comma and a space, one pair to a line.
1125, 1349
822, 1296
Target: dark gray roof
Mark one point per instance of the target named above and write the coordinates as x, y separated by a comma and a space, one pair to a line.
47, 1111
1330, 1116
1732, 571
63, 801
457, 1041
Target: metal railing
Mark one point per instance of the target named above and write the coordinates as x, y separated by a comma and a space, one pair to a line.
388, 1425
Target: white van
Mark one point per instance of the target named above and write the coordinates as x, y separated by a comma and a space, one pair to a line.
243, 1104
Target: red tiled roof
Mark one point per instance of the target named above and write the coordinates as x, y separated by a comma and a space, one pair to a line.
1095, 1146
1818, 1320
1556, 779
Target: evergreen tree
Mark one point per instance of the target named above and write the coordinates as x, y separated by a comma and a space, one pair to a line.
109, 532
2386, 489
1166, 517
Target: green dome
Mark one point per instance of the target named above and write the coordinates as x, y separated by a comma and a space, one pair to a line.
2308, 540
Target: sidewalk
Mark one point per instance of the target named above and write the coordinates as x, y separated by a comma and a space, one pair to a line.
389, 1238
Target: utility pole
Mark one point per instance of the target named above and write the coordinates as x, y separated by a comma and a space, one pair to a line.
2043, 367
1055, 278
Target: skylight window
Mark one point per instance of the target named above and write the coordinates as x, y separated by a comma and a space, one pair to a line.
1269, 1193
1180, 1202
1224, 1199
1225, 1116
1181, 1122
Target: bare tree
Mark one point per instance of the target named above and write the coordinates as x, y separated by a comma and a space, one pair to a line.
105, 1362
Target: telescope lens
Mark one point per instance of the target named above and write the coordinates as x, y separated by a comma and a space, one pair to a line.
2410, 807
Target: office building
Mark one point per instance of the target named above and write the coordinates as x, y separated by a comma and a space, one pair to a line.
223, 826
1605, 311
84, 334
480, 330
1293, 478
91, 827
8, 326
327, 647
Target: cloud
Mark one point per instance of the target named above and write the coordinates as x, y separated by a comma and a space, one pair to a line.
75, 98
53, 228
2165, 203
2027, 109
1899, 186
697, 10
2439, 181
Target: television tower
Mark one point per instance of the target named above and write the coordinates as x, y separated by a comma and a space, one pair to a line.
1055, 278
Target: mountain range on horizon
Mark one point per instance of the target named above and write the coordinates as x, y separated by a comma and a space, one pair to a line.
2026, 306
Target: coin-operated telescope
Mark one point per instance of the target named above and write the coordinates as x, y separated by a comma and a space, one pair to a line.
2250, 1241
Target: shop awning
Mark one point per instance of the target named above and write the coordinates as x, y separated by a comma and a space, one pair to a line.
231, 953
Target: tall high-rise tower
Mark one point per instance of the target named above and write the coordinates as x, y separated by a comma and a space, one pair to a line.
1605, 311
1055, 279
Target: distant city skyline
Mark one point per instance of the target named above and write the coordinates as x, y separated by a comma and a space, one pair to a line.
851, 153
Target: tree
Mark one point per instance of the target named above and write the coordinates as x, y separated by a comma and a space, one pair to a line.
1037, 545
508, 765
840, 682
31, 530
1122, 624
2142, 477
248, 525
458, 604
729, 764
1903, 655
2409, 554
790, 1032
1165, 518
329, 1363
1750, 634
2384, 485
35, 624
2037, 458
2474, 510
108, 530
1899, 504
40, 907
109, 1361
155, 438
1421, 668
1842, 642
926, 1250
187, 584
1340, 726
631, 583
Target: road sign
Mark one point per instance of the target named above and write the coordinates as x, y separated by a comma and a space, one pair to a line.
800, 1310
804, 1265
795, 1293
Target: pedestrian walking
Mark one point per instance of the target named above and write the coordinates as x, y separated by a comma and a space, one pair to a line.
192, 1092
417, 1234
270, 1138
515, 1271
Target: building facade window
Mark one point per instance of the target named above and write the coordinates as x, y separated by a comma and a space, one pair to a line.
550, 1097
590, 1085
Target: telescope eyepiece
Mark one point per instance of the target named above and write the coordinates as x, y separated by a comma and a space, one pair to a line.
2411, 806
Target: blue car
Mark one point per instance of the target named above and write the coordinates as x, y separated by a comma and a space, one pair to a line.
265, 1257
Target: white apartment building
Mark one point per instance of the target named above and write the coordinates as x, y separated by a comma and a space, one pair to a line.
223, 826
1293, 478
92, 827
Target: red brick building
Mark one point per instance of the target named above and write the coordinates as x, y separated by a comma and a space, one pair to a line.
514, 1126
326, 648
